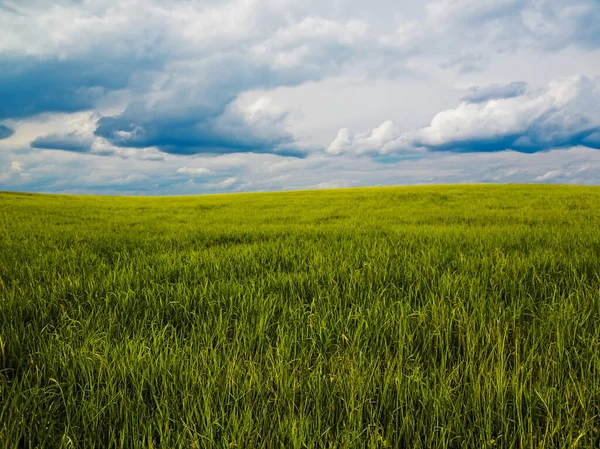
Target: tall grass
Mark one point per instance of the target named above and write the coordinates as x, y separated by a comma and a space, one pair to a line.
428, 317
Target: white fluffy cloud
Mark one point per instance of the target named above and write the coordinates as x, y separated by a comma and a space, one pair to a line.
385, 139
563, 114
194, 171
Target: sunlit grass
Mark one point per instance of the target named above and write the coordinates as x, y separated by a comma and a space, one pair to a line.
424, 317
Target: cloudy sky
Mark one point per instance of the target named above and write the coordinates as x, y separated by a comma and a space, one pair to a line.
195, 96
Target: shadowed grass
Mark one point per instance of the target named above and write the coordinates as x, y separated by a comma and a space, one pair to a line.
427, 317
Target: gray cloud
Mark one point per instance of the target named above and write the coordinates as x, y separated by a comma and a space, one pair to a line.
495, 92
67, 142
466, 63
6, 132
256, 128
29, 86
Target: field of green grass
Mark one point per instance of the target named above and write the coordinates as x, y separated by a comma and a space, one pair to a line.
412, 317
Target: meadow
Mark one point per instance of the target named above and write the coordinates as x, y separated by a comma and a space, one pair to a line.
405, 317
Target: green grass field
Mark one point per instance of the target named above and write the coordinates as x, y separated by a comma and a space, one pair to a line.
417, 317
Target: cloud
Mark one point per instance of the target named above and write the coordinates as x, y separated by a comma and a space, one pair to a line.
469, 11
549, 175
549, 25
385, 139
178, 85
554, 24
73, 141
467, 63
333, 184
257, 128
227, 183
68, 172
564, 114
194, 171
6, 132
83, 141
16, 167
158, 83
29, 86
314, 44
490, 28
495, 91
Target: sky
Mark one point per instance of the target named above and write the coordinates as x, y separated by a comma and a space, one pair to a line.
147, 97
